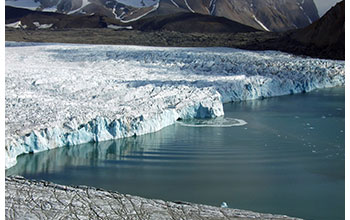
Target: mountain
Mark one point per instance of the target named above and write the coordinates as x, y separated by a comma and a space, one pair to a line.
328, 32
179, 22
269, 15
191, 22
30, 19
325, 38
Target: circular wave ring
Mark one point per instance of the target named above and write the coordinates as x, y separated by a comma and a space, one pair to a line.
216, 122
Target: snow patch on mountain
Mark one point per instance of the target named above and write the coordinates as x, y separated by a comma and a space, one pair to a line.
28, 4
188, 6
17, 24
212, 6
138, 3
60, 94
42, 26
84, 4
174, 3
302, 9
127, 20
260, 23
118, 27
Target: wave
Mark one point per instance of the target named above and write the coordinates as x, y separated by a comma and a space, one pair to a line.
216, 122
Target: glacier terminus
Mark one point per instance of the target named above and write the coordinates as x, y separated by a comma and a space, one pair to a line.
64, 94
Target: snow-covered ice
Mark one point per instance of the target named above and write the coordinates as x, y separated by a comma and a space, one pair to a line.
33, 5
117, 27
17, 24
63, 94
42, 26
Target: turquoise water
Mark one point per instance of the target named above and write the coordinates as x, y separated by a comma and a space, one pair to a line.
288, 159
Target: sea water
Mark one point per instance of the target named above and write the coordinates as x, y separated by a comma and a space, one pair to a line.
282, 155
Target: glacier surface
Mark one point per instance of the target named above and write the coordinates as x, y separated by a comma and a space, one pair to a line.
63, 94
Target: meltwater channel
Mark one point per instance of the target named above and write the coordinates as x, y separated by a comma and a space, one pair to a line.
288, 159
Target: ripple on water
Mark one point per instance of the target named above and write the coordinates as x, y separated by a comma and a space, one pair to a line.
216, 122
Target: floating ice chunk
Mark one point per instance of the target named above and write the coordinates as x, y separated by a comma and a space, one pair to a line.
224, 205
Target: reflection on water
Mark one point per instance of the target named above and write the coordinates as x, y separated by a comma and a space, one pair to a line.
289, 158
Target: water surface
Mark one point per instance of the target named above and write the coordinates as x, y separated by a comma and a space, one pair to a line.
288, 159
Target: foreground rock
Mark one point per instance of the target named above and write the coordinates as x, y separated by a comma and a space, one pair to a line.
27, 199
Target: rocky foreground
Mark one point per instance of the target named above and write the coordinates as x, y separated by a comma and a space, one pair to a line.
28, 199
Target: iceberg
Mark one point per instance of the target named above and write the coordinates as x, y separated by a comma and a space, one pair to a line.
63, 94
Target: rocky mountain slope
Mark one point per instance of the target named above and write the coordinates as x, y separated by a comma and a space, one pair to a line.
190, 23
269, 15
180, 22
328, 32
325, 38
28, 19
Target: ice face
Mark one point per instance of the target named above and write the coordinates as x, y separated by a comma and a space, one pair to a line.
61, 94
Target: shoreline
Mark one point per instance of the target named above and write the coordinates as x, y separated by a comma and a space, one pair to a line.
41, 199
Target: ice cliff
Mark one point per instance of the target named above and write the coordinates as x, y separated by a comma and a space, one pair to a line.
60, 94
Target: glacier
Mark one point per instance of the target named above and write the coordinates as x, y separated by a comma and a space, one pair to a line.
64, 94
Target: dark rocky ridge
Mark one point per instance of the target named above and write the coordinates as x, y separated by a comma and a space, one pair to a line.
325, 38
180, 22
191, 22
328, 32
276, 15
